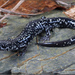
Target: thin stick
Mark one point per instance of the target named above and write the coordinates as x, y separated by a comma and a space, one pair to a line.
18, 4
1, 16
4, 3
63, 3
16, 13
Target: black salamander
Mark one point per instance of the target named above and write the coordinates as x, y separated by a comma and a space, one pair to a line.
34, 28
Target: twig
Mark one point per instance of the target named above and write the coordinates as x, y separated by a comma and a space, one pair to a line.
1, 16
70, 12
16, 13
63, 3
2, 6
4, 3
18, 4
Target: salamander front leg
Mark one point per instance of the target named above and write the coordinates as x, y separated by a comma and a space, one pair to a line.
22, 51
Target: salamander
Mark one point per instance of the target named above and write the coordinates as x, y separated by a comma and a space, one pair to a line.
33, 29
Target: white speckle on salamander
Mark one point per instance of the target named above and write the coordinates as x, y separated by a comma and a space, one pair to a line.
68, 42
64, 42
66, 23
58, 19
73, 23
56, 43
50, 20
72, 39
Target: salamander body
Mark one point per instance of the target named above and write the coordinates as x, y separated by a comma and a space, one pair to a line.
34, 28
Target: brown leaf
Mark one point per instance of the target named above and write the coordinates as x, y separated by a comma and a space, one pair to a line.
31, 6
3, 24
70, 12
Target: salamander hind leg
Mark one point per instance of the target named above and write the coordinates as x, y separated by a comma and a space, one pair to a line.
22, 52
48, 29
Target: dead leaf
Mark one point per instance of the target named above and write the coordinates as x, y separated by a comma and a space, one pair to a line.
3, 24
30, 6
70, 12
